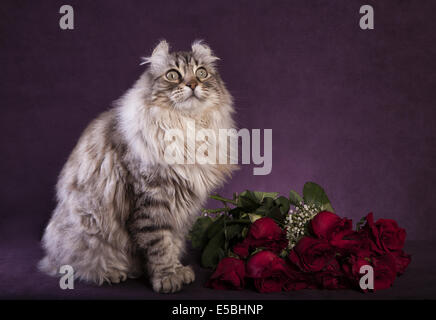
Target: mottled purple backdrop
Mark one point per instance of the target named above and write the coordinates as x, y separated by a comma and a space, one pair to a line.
350, 109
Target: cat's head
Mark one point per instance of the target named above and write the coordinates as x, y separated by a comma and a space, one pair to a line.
185, 80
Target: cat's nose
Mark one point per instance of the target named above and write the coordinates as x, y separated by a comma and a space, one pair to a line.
192, 84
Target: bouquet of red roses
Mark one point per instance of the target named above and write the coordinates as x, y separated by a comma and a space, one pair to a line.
276, 243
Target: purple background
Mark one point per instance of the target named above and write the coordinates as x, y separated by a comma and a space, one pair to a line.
350, 109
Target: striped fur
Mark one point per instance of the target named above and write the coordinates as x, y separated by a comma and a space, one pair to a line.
121, 209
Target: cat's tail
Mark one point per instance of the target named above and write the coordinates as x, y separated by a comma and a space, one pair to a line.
46, 266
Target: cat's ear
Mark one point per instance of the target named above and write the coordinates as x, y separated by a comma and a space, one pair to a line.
203, 52
159, 58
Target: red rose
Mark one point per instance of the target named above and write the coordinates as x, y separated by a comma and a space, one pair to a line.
385, 271
312, 254
402, 260
327, 225
265, 229
266, 233
229, 274
353, 243
351, 266
268, 271
263, 233
297, 280
323, 224
332, 277
385, 233
242, 249
339, 233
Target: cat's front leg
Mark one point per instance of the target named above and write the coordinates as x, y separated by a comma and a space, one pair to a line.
158, 242
166, 272
167, 275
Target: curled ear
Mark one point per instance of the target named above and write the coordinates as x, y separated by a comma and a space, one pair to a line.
159, 58
203, 52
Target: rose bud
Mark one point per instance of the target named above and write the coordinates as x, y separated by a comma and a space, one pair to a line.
269, 271
327, 225
385, 233
312, 255
229, 274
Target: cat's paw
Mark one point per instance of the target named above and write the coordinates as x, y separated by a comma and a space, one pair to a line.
115, 276
167, 283
173, 281
187, 274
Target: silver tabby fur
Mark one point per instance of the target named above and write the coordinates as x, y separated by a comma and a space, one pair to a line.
121, 208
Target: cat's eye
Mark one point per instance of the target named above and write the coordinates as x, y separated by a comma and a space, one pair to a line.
201, 73
173, 75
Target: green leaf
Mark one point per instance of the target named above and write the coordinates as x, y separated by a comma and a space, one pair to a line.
216, 226
232, 231
295, 198
360, 223
244, 232
257, 250
267, 205
221, 254
284, 253
275, 214
198, 234
314, 194
250, 200
213, 251
283, 204
253, 217
268, 202
231, 254
262, 195
236, 213
262, 211
327, 207
247, 201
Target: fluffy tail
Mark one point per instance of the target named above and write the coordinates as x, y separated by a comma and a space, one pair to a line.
44, 265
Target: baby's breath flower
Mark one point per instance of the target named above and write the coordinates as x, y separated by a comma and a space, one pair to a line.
298, 220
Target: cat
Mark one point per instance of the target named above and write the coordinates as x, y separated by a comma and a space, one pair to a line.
122, 210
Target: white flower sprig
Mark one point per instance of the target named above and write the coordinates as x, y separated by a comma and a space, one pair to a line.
297, 222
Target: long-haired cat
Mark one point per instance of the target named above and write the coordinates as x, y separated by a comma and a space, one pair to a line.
121, 208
